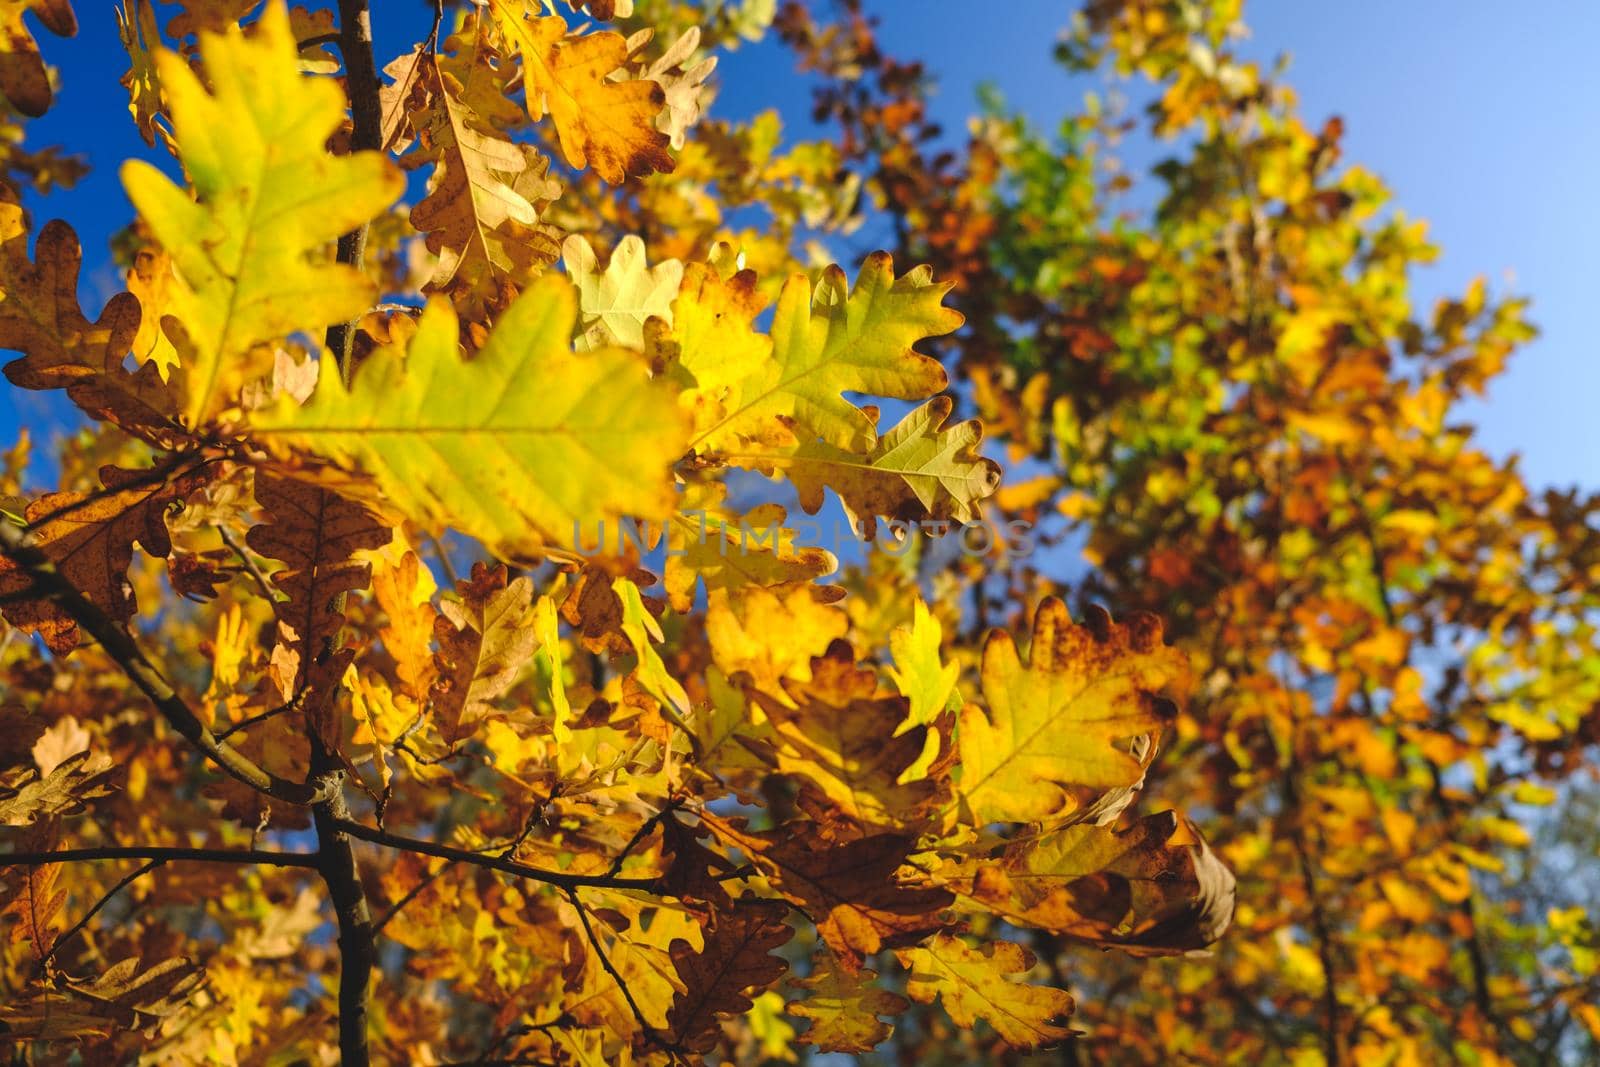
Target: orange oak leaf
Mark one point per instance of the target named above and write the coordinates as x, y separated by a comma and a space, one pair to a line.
604, 124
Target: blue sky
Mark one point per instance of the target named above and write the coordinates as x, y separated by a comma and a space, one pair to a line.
1484, 122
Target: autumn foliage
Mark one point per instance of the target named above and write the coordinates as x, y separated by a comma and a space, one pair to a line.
419, 660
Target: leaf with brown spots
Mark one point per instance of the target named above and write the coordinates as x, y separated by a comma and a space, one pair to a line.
979, 983
844, 1008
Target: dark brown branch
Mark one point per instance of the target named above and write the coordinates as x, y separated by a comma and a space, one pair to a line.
336, 862
131, 658
366, 113
161, 854
503, 864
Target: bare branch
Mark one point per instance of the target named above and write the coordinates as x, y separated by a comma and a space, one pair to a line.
559, 879
159, 853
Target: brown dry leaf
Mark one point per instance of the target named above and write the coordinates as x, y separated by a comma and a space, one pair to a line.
836, 734
1146, 889
609, 126
30, 896
485, 639
980, 984
849, 888
481, 216
65, 789
90, 538
737, 957
137, 998
318, 534
40, 317
844, 1008
23, 78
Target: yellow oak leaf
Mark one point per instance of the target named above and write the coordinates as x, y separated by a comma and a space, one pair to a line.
250, 247
615, 303
920, 470
925, 680
1064, 719
830, 339
844, 1008
978, 984
712, 344
707, 543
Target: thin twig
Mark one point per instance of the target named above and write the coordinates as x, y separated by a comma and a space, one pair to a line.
105, 899
293, 704
249, 563
640, 834
605, 962
411, 894
560, 879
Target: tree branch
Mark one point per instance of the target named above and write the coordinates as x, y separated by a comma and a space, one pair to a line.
503, 864
605, 962
366, 113
336, 862
122, 648
159, 853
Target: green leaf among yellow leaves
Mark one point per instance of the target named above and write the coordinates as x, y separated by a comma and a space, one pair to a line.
517, 447
251, 247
